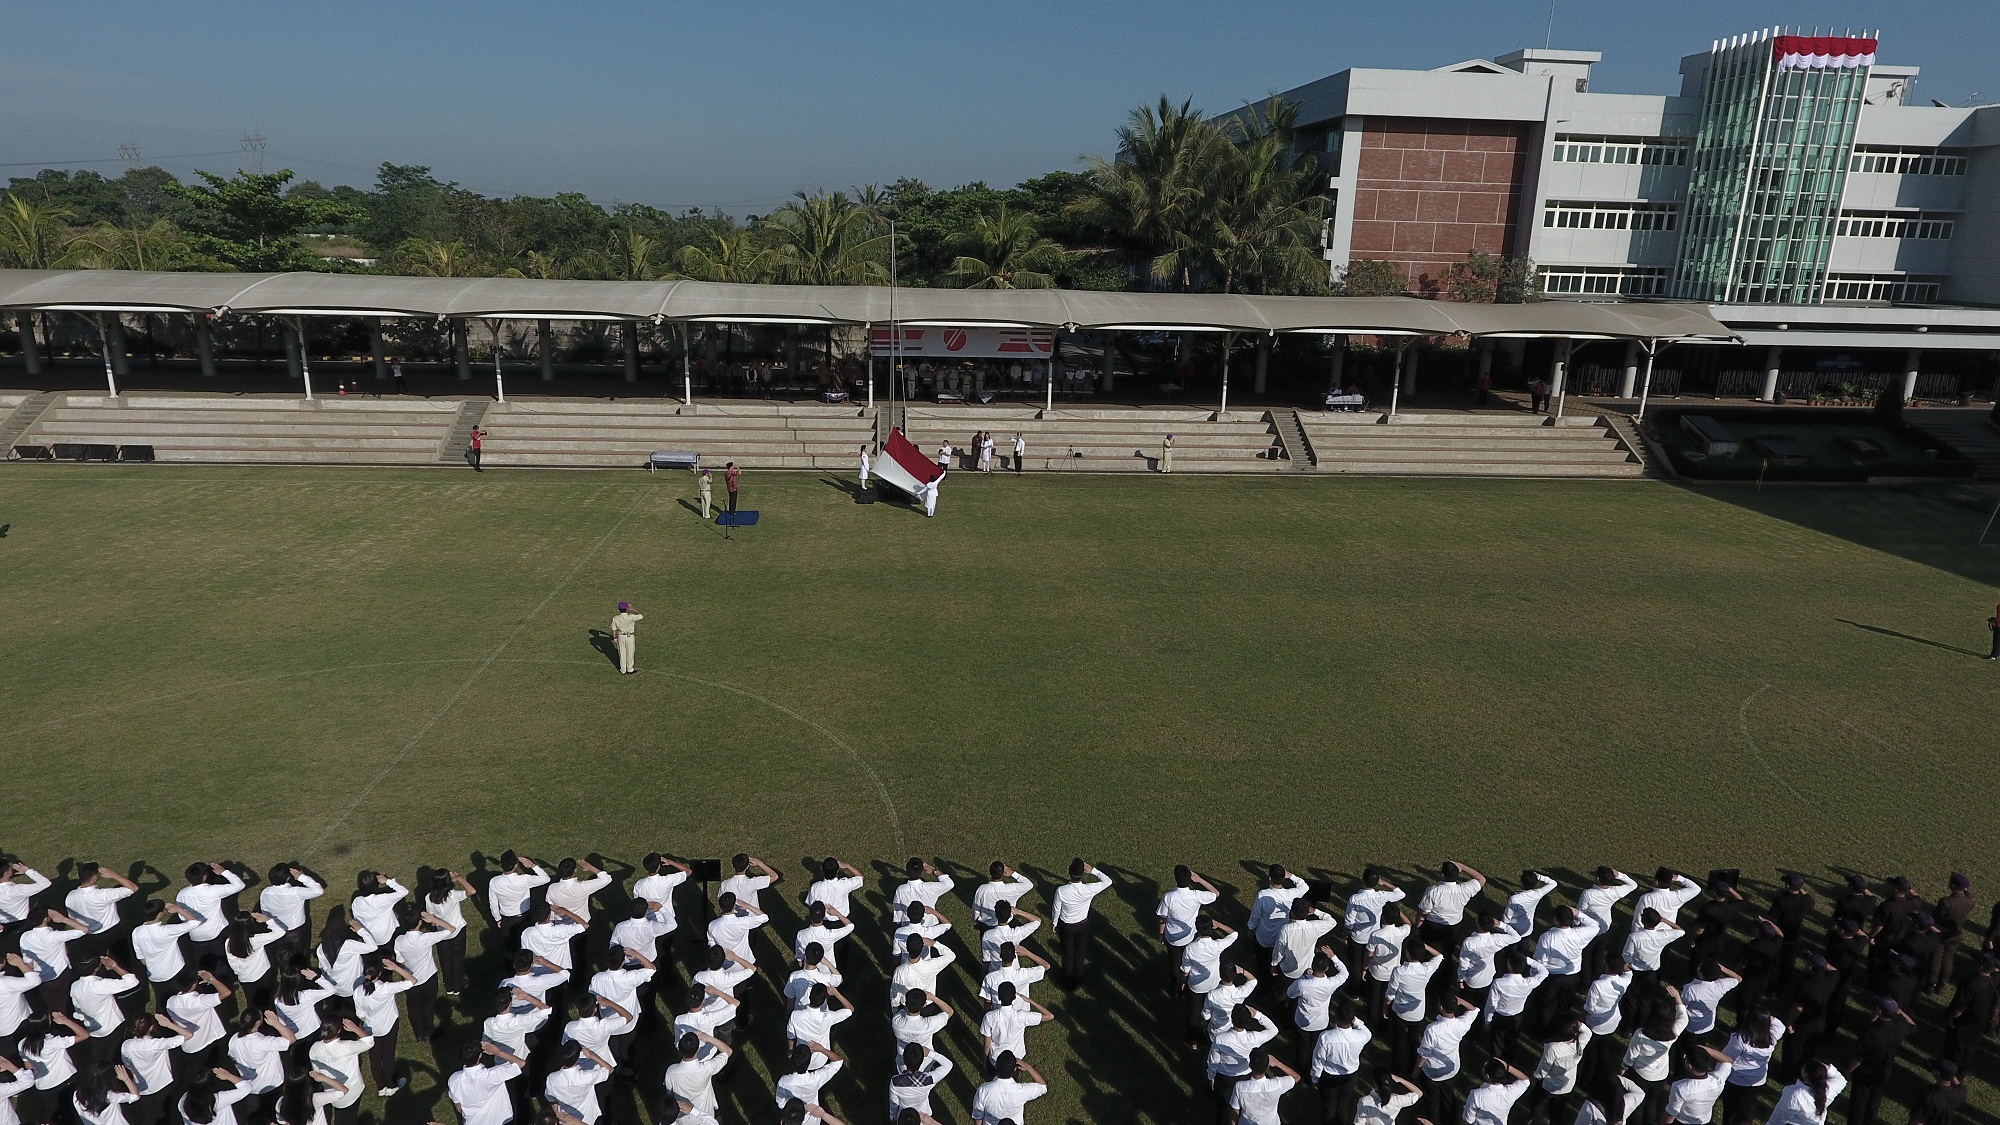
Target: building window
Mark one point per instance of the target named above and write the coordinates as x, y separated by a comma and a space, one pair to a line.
1893, 288
1633, 281
1572, 148
1566, 214
1905, 161
1893, 224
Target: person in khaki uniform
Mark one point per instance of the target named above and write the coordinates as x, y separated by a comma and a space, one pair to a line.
1167, 454
622, 624
707, 486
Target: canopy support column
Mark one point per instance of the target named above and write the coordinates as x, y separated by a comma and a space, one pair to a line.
460, 351
542, 349
1774, 362
31, 352
377, 350
1263, 363
499, 384
1410, 370
1646, 384
204, 345
119, 360
298, 336
1055, 365
687, 364
1337, 369
104, 345
1110, 363
1561, 373
1631, 375
1912, 365
290, 336
1396, 376
631, 351
868, 335
1228, 338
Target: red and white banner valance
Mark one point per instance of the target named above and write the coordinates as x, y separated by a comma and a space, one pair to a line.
1822, 52
966, 343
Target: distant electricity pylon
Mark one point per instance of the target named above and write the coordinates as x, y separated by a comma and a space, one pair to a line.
128, 152
253, 151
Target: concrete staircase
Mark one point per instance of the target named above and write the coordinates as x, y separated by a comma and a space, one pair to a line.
207, 428
1971, 432
17, 413
555, 434
1104, 440
1292, 435
1510, 445
452, 449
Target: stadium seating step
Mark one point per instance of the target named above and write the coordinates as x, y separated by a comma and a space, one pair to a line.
470, 413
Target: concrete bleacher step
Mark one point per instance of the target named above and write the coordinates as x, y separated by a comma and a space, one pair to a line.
1478, 469
17, 413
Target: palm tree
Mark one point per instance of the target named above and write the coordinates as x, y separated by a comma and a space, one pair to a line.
431, 258
1267, 217
1161, 189
157, 245
631, 256
35, 236
1007, 254
824, 238
735, 257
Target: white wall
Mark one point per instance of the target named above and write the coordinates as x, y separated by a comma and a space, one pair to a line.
1890, 255
1975, 244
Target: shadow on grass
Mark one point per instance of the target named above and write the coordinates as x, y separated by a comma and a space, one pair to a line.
1911, 637
1934, 524
602, 642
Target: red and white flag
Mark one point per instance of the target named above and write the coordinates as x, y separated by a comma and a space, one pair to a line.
904, 466
1823, 52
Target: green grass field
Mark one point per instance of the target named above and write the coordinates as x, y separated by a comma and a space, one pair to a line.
391, 668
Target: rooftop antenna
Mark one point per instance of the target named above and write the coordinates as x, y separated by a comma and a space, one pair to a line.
1549, 35
128, 153
253, 151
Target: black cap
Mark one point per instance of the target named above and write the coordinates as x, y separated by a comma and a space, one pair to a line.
1794, 880
1947, 1068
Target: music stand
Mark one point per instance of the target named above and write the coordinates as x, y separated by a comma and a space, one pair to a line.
727, 520
706, 871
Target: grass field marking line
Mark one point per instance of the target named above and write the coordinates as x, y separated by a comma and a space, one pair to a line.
368, 790
875, 779
1743, 724
172, 695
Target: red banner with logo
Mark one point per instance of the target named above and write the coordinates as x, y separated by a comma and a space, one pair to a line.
965, 343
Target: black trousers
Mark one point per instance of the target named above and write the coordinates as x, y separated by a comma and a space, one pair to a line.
1961, 1044
451, 963
1339, 1094
1739, 1101
1075, 938
1501, 1035
422, 1000
1017, 468
1403, 1036
1197, 1020
382, 1056
1864, 1101
1225, 1085
732, 499
1544, 1106
1440, 1103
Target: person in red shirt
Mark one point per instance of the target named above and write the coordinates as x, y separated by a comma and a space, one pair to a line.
731, 475
472, 450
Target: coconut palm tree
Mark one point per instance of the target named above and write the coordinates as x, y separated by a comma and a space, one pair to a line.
1266, 221
631, 255
825, 238
157, 245
1161, 188
1007, 253
35, 235
734, 257
431, 258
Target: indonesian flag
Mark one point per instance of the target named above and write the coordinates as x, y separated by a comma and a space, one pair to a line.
905, 467
1822, 52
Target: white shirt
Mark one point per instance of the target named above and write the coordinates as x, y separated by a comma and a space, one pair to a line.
1601, 1000
694, 1080
113, 1112
1702, 997
1202, 961
1313, 997
96, 907
921, 1030
256, 966
991, 941
1751, 1066
1007, 1029
815, 1025
1072, 899
1178, 909
1519, 916
95, 999
1364, 911
1630, 1098
642, 934
1644, 946
837, 893
746, 888
1476, 956
377, 1006
732, 932
508, 893
987, 895
1004, 1099
1298, 940
537, 981
926, 891
150, 1060
451, 911
1795, 1104
416, 950
1255, 1100
260, 1059
204, 901
1229, 1052
1492, 1102
158, 944
1272, 908
14, 999
1508, 994
1385, 950
1437, 1050
47, 948
15, 895
1597, 901
342, 1059
344, 972
1220, 1006
1338, 1050
1650, 1058
1691, 1101
286, 904
1407, 984
805, 1087
1560, 949
52, 1063
1668, 900
1020, 974
511, 1028
573, 894
574, 1088
376, 913
199, 1012
1444, 903
1371, 1110
480, 1093
922, 973
1561, 1060
550, 939
303, 1017
828, 938
660, 889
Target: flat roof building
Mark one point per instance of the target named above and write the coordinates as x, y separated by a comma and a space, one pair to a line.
1789, 169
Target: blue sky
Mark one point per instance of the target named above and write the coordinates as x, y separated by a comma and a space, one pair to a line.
737, 105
